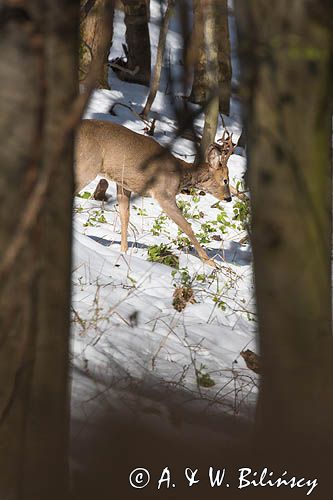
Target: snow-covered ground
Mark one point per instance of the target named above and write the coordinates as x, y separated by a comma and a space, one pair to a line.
127, 338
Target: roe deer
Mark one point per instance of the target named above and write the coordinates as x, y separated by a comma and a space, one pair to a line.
138, 163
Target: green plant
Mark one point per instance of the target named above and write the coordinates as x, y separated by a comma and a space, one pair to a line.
159, 225
219, 302
162, 254
195, 195
198, 215
184, 206
142, 212
183, 293
203, 378
223, 222
85, 195
181, 241
207, 228
95, 218
242, 214
205, 278
182, 277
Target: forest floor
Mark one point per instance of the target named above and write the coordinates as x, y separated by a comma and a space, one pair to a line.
131, 349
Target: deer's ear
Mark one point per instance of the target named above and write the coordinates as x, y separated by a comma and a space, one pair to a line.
213, 157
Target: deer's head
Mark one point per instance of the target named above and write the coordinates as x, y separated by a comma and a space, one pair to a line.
217, 159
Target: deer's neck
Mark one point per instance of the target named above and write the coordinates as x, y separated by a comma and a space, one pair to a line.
193, 176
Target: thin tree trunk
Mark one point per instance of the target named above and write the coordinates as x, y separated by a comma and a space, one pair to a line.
221, 30
138, 42
212, 108
198, 93
38, 42
96, 28
155, 82
224, 54
286, 64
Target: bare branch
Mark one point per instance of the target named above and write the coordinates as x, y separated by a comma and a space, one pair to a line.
132, 72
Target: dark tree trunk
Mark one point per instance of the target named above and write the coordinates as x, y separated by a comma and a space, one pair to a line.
96, 38
198, 93
148, 10
138, 42
224, 54
286, 63
222, 39
38, 82
212, 107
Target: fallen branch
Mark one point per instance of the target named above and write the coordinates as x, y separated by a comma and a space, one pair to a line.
132, 72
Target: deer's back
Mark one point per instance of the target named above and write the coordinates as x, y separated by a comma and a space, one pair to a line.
133, 160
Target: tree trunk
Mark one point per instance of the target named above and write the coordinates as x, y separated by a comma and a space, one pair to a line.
148, 10
286, 66
138, 42
96, 28
212, 108
221, 32
224, 54
38, 42
198, 93
155, 82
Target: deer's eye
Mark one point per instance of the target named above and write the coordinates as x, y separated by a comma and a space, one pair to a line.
225, 181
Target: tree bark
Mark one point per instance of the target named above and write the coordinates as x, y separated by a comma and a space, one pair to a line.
221, 32
286, 67
148, 10
198, 93
155, 82
96, 29
138, 42
38, 42
212, 107
224, 54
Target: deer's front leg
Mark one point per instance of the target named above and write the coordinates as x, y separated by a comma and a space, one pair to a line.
123, 197
170, 207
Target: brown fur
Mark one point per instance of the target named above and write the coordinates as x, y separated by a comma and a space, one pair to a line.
139, 164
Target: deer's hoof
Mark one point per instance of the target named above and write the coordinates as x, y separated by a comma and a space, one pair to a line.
100, 190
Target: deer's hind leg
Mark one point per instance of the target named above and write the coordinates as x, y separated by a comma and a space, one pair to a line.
123, 197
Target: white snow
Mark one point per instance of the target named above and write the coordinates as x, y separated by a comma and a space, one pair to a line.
125, 330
